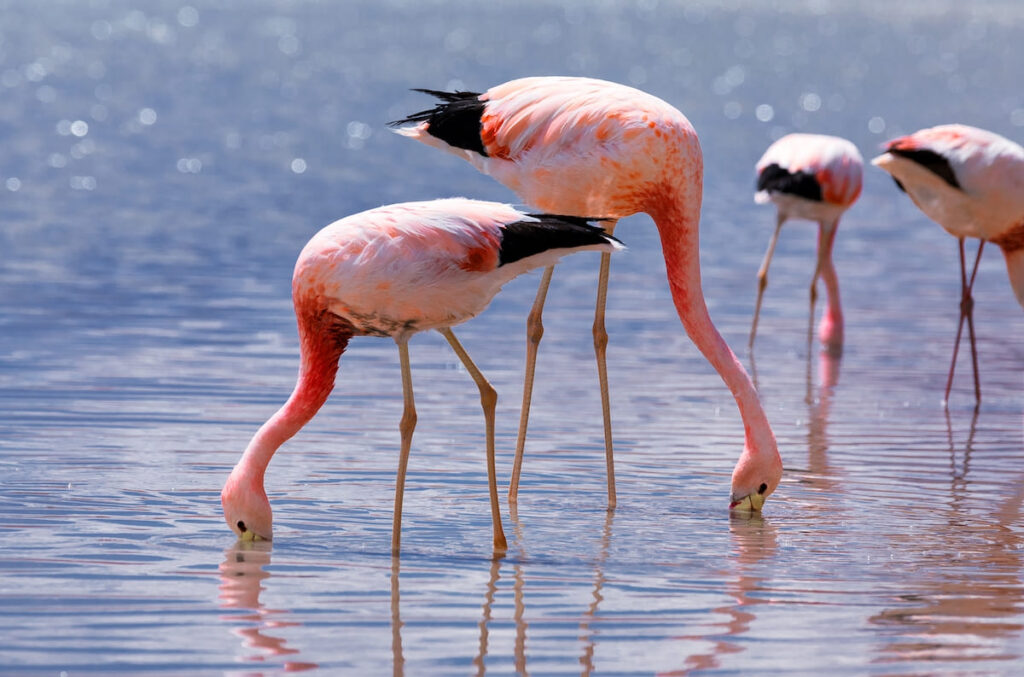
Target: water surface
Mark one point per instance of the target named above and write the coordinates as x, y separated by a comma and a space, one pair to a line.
163, 164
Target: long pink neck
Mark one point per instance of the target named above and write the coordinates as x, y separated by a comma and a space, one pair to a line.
1015, 267
322, 340
678, 218
831, 329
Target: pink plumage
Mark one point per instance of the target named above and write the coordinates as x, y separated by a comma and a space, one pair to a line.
589, 147
394, 271
815, 177
971, 182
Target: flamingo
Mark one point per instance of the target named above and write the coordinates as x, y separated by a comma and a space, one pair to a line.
971, 182
394, 271
582, 146
815, 177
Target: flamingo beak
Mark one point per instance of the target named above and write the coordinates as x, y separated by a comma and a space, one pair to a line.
749, 503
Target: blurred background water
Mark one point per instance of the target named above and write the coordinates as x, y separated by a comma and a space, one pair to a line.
162, 164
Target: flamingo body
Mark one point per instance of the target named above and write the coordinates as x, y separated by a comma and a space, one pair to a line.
815, 177
415, 266
971, 182
394, 271
570, 145
589, 147
968, 180
819, 175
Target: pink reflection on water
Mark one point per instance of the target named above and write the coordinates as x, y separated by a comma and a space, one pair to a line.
754, 541
242, 575
969, 594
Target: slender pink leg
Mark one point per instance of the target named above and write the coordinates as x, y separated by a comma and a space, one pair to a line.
762, 277
966, 312
600, 351
814, 288
406, 427
534, 332
970, 323
488, 400
831, 329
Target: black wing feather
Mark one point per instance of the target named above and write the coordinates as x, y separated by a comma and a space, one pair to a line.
774, 178
456, 121
930, 160
522, 239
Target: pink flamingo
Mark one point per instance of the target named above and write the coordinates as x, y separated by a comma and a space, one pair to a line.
815, 177
971, 182
394, 271
582, 146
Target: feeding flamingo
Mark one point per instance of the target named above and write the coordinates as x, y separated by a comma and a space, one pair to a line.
815, 177
394, 271
582, 146
971, 182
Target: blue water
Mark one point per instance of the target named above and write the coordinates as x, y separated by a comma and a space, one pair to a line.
162, 165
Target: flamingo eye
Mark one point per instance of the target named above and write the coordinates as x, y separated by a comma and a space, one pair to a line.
241, 525
761, 489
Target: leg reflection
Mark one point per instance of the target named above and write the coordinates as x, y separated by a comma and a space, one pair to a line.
517, 588
492, 589
242, 575
967, 608
587, 636
398, 660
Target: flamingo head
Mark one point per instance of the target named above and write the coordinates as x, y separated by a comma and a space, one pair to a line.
246, 507
754, 479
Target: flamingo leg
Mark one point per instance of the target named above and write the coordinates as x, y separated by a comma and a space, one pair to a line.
966, 313
970, 323
534, 332
825, 233
600, 351
406, 427
488, 400
762, 276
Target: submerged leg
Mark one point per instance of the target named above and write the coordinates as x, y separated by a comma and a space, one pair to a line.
601, 350
534, 332
762, 277
406, 427
488, 400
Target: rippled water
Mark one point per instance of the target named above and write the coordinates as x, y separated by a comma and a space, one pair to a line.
164, 162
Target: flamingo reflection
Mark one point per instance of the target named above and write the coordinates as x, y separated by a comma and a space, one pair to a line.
587, 635
754, 544
970, 607
398, 660
242, 574
820, 474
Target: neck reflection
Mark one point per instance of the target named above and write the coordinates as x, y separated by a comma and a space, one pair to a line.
754, 542
242, 575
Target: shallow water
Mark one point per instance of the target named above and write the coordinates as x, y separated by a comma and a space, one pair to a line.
164, 163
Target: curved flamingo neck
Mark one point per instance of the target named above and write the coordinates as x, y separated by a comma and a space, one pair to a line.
323, 337
677, 216
1012, 244
831, 329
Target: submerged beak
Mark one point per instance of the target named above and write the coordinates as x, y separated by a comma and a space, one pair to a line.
749, 503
